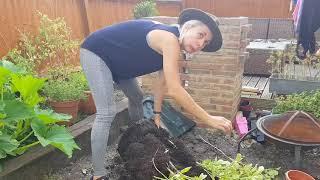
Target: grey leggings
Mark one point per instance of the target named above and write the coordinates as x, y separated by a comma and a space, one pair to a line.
101, 85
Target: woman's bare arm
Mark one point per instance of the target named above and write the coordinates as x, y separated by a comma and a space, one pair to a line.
168, 44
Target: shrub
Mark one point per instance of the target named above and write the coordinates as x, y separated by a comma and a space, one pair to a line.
52, 42
306, 101
145, 8
64, 85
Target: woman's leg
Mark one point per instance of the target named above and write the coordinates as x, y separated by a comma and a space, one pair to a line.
132, 90
100, 82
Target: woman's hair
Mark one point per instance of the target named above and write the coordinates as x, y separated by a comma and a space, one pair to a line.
188, 25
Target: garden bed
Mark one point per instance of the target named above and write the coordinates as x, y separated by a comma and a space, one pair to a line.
267, 155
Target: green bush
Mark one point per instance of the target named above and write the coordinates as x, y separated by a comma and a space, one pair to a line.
64, 85
306, 101
52, 42
81, 80
224, 170
145, 8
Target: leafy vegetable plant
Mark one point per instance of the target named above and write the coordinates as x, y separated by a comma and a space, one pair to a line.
23, 123
306, 101
224, 170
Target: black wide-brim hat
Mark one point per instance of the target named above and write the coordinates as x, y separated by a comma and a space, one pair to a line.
209, 20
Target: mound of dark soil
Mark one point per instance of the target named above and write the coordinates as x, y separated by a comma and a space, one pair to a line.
144, 147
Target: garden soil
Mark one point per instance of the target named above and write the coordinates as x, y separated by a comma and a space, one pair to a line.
144, 147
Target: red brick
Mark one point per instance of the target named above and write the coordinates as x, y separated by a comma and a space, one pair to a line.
224, 108
199, 71
207, 107
231, 67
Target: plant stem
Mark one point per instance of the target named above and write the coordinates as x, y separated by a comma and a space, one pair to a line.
25, 138
28, 146
216, 148
156, 166
2, 93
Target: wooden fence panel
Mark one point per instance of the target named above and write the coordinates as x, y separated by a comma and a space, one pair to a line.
105, 12
20, 15
248, 8
85, 16
169, 8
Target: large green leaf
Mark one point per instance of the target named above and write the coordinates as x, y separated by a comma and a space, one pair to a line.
48, 116
16, 110
2, 113
12, 67
55, 135
4, 75
7, 145
28, 87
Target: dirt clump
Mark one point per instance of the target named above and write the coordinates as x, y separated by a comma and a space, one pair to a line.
144, 147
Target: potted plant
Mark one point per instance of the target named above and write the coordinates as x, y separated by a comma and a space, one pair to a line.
51, 49
292, 75
86, 105
63, 92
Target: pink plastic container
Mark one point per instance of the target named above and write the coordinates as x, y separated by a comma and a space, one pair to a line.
241, 125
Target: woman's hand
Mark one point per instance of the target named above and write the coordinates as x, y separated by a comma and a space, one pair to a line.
221, 123
318, 53
157, 120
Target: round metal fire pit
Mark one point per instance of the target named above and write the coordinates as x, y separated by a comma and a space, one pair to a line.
295, 128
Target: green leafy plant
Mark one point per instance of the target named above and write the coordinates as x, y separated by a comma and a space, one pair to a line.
285, 64
175, 174
52, 42
64, 85
145, 8
23, 123
306, 101
80, 79
224, 170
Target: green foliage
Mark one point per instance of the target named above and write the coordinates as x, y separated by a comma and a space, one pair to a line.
64, 85
145, 8
275, 59
53, 41
306, 101
80, 79
224, 170
235, 170
22, 123
176, 174
283, 64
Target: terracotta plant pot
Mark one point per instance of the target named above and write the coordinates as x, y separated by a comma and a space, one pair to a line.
298, 175
69, 107
87, 105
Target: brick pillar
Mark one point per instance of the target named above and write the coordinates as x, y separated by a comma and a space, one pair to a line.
214, 79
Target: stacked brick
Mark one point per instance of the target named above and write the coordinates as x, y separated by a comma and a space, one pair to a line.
214, 79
